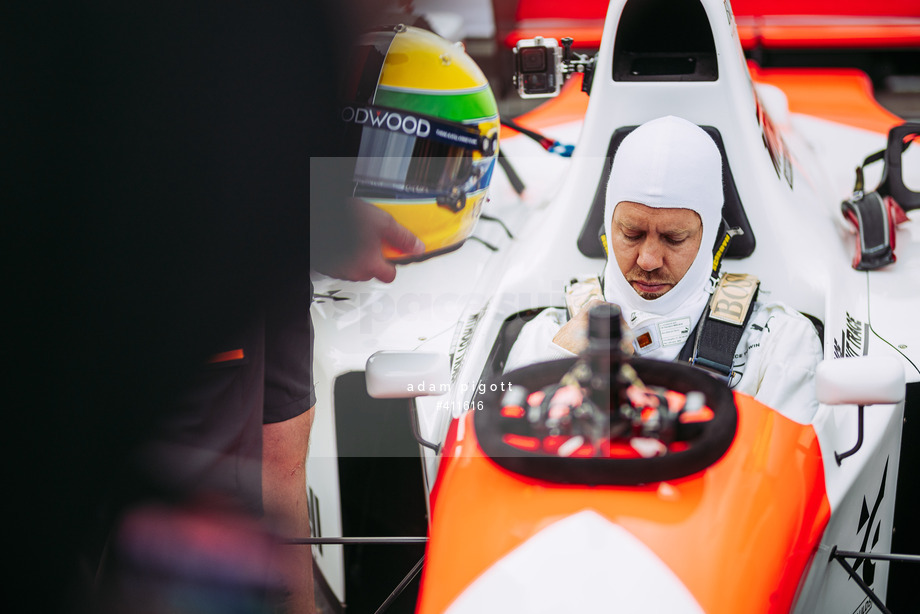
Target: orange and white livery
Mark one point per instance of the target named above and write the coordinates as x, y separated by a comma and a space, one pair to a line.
759, 528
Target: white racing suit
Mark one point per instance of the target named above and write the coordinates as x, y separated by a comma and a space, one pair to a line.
774, 362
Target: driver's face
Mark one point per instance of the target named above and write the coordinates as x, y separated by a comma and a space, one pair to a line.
654, 248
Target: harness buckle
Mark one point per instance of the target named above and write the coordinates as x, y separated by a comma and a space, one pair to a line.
716, 370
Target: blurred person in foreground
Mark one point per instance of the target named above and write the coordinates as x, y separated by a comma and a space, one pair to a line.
359, 210
155, 192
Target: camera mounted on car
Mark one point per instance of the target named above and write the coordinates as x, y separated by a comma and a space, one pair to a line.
541, 66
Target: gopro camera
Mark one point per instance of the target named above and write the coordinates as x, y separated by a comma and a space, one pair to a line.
538, 67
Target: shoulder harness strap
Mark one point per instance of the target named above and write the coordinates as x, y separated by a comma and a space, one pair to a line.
723, 323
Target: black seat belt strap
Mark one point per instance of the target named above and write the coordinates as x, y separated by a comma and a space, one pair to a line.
724, 322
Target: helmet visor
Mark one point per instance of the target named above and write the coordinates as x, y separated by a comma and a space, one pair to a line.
411, 153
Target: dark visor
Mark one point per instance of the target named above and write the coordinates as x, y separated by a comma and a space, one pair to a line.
410, 152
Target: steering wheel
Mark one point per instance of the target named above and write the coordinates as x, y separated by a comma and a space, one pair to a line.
703, 443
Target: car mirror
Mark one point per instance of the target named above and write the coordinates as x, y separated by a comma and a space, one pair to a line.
861, 380
406, 375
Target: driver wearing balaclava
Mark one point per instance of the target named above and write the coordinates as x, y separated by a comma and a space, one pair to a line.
666, 163
670, 163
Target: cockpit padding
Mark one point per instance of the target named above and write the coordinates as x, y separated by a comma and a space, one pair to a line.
732, 211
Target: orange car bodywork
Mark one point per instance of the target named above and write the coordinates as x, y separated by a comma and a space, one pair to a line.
842, 95
739, 533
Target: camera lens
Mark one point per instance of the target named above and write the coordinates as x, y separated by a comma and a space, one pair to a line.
535, 83
533, 59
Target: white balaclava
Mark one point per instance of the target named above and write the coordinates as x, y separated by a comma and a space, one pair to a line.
668, 162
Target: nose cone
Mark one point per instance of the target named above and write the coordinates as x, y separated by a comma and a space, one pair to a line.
575, 565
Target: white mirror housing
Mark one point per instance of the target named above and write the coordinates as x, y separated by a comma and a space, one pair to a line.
406, 375
861, 380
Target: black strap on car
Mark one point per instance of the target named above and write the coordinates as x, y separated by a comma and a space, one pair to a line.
892, 181
875, 218
876, 214
550, 145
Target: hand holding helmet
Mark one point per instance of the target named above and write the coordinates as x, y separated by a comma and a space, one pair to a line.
377, 233
422, 124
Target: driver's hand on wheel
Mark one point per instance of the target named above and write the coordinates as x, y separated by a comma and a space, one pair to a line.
573, 335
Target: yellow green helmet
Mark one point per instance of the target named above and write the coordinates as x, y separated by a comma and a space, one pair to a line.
423, 123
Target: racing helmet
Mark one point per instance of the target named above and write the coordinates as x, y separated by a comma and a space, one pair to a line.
423, 124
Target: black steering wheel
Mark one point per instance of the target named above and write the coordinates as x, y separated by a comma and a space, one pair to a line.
706, 443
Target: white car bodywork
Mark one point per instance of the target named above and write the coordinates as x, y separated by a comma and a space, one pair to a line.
454, 305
